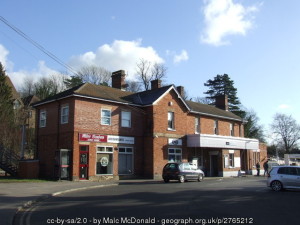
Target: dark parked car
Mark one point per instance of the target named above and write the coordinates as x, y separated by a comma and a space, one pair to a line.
284, 177
181, 172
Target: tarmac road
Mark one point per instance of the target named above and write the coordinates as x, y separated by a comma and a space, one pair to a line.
234, 200
14, 196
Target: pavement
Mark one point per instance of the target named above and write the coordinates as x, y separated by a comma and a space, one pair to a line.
15, 196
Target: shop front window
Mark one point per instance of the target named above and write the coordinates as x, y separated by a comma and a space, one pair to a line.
104, 164
175, 154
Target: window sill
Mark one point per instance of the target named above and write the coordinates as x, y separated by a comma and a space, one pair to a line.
170, 129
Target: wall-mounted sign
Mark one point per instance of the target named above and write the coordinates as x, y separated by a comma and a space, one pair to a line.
106, 138
93, 137
175, 141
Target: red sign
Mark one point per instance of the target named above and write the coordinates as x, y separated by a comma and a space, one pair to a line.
93, 137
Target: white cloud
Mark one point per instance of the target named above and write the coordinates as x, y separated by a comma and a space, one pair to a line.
223, 18
284, 106
183, 56
42, 71
3, 58
117, 55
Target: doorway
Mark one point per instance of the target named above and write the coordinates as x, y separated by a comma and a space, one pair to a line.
214, 172
83, 162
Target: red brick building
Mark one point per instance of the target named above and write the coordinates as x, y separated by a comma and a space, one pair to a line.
97, 132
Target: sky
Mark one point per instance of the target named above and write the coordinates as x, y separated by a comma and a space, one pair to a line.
255, 42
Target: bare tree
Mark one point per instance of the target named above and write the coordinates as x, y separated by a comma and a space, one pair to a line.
94, 74
286, 131
146, 72
202, 100
159, 71
27, 87
143, 72
133, 86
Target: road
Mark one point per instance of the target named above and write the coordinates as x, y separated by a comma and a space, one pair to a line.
213, 201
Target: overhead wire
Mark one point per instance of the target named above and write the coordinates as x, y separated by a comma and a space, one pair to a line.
37, 45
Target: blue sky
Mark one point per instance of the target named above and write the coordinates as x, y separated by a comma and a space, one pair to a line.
256, 42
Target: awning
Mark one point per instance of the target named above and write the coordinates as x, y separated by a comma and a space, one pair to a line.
218, 141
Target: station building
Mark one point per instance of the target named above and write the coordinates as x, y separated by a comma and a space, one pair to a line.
95, 132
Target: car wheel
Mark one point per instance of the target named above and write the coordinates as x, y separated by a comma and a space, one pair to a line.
200, 177
276, 185
181, 179
166, 180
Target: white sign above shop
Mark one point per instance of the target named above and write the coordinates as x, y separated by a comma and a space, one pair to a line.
175, 141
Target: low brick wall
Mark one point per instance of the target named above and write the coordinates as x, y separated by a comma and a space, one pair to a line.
28, 169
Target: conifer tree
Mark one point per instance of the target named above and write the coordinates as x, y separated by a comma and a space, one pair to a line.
223, 85
6, 109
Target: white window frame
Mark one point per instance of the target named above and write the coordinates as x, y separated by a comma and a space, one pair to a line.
177, 152
231, 128
171, 120
105, 117
197, 125
127, 153
64, 117
43, 118
107, 152
216, 127
125, 122
229, 160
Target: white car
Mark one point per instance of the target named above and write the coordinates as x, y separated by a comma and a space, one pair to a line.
284, 177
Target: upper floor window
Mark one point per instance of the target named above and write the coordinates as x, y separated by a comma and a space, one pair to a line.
43, 118
197, 125
171, 124
231, 129
105, 117
126, 119
216, 127
64, 114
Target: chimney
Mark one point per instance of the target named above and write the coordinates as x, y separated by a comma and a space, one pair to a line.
118, 79
180, 90
155, 84
222, 102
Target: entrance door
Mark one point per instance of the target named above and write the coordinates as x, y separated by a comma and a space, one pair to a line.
83, 162
214, 172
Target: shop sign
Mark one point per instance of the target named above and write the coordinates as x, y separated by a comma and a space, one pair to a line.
175, 141
93, 137
120, 139
106, 138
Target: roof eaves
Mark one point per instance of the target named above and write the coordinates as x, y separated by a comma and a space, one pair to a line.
216, 116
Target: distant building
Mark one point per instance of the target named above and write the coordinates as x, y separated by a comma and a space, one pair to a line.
94, 132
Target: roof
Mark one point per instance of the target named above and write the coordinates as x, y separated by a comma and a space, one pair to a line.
14, 92
210, 110
144, 98
29, 100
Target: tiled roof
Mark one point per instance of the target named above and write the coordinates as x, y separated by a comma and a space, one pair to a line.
140, 99
211, 110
